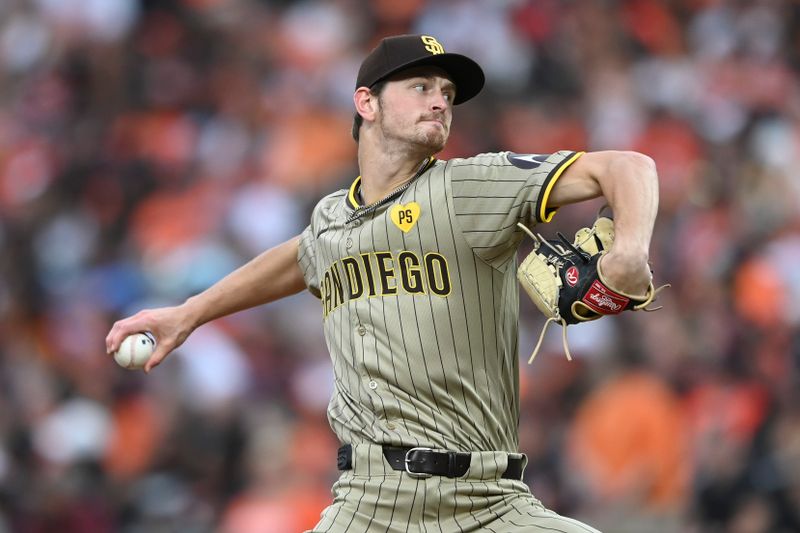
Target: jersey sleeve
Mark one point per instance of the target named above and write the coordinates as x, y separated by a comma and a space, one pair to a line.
491, 193
306, 257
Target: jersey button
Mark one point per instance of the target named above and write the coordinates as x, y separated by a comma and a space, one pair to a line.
361, 330
348, 243
390, 425
373, 384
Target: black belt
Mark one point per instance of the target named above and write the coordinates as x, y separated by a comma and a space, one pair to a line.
425, 462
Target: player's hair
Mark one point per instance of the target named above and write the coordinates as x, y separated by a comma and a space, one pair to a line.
358, 120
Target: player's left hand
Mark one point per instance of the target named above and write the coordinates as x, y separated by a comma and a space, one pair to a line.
585, 280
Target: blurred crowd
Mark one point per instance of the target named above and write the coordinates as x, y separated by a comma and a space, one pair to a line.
149, 147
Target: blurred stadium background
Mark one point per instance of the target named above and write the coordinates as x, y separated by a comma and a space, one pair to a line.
149, 147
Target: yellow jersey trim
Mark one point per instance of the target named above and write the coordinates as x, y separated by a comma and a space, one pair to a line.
351, 196
546, 214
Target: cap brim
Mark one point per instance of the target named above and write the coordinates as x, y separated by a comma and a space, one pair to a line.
466, 74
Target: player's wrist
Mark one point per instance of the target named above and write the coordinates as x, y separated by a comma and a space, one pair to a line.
626, 272
192, 311
630, 258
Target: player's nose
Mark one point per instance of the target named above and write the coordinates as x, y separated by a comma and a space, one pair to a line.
439, 100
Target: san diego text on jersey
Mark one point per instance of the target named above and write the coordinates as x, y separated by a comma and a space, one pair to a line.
384, 273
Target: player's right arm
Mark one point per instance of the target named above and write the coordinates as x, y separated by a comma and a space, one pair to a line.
270, 276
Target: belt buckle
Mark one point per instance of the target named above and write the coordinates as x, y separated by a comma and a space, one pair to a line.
418, 475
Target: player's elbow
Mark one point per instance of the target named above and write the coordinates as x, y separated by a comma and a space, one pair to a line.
616, 168
638, 162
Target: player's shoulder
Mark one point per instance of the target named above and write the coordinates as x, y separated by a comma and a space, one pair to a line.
329, 205
331, 200
486, 159
509, 158
480, 167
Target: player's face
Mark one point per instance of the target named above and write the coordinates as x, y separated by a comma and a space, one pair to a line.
416, 107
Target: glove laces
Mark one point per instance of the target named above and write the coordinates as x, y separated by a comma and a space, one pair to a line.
539, 240
550, 320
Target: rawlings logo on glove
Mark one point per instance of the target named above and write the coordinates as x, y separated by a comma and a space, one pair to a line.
566, 284
603, 301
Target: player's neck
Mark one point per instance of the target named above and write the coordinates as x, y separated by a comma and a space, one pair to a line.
384, 170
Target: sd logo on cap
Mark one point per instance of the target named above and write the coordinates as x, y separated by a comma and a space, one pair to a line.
401, 52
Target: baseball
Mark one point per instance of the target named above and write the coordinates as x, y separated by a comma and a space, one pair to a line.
135, 350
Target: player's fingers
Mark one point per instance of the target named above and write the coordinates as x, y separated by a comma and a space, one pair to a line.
165, 345
115, 336
160, 353
118, 332
123, 328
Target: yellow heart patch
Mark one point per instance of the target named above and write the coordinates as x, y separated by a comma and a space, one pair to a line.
405, 216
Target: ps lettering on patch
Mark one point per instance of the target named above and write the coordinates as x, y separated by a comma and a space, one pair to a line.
405, 216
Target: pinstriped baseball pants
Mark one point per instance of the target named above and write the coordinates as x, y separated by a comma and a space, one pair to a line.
374, 498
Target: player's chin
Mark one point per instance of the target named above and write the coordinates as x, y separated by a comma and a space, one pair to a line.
433, 147
434, 140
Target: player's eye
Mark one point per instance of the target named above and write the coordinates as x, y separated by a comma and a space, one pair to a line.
420, 87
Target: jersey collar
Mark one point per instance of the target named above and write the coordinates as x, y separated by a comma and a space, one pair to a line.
354, 196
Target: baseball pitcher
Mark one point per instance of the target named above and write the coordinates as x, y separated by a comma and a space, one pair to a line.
415, 266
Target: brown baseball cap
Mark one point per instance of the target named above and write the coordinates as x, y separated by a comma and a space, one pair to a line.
401, 52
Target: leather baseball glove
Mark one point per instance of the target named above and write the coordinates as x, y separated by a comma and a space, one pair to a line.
565, 282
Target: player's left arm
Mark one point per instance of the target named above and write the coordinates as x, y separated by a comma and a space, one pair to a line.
629, 183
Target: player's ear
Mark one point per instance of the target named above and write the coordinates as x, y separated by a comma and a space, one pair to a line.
366, 103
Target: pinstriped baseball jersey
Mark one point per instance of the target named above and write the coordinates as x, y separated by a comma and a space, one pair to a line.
420, 300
